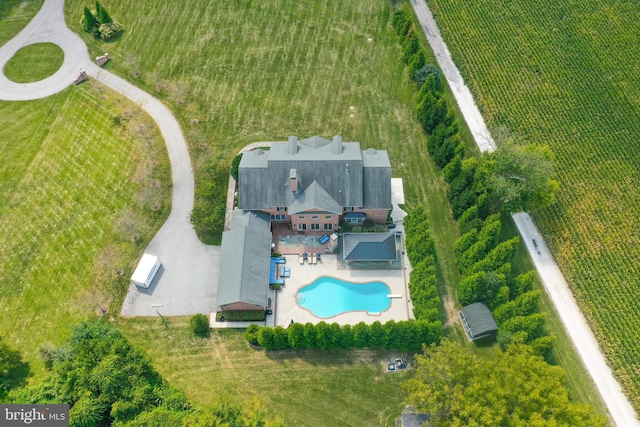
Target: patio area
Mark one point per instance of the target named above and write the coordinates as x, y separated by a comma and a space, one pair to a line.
288, 242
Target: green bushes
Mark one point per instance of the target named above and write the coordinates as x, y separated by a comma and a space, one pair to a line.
99, 23
199, 324
406, 335
241, 316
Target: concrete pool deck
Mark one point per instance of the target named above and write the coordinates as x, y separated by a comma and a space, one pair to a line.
287, 308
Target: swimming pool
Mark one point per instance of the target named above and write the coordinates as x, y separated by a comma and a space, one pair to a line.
327, 297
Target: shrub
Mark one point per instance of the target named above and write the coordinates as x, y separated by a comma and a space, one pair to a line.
199, 324
235, 164
109, 30
251, 334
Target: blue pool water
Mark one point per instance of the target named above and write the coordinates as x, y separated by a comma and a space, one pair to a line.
328, 296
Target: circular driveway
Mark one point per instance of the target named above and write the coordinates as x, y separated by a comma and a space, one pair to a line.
187, 284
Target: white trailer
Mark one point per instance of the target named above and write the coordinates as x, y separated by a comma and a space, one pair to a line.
146, 270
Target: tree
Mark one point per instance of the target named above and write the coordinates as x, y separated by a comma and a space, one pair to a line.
13, 370
89, 21
102, 14
515, 388
199, 325
520, 176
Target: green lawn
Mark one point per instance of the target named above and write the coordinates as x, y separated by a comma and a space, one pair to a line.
76, 196
310, 388
14, 15
27, 65
566, 75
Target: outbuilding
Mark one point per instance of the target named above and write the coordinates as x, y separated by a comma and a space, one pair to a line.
146, 271
477, 321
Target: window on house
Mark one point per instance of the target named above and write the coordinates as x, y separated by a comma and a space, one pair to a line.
278, 217
301, 217
354, 220
314, 217
328, 227
302, 227
315, 226
329, 217
348, 209
281, 208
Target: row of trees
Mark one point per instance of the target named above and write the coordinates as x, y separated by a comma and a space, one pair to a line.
479, 187
405, 336
423, 281
107, 382
99, 23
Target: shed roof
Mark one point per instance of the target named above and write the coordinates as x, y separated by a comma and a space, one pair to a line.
478, 321
244, 260
369, 247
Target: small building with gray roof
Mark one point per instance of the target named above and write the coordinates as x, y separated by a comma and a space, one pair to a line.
243, 282
369, 247
478, 321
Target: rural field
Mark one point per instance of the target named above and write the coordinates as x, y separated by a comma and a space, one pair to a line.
233, 73
566, 75
81, 193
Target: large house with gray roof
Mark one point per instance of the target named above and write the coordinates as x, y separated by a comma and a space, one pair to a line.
314, 183
311, 185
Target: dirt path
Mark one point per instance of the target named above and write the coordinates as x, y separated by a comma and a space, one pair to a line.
554, 283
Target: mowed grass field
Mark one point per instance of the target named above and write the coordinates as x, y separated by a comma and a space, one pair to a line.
81, 193
14, 15
27, 65
566, 75
304, 388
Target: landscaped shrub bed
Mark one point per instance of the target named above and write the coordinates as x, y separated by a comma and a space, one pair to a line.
408, 335
241, 316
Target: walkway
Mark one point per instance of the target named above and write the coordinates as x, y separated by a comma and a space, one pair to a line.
188, 283
554, 283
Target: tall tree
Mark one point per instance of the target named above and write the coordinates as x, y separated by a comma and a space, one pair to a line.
515, 388
520, 176
13, 370
89, 21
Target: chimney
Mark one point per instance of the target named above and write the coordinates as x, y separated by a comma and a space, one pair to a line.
293, 180
337, 144
292, 147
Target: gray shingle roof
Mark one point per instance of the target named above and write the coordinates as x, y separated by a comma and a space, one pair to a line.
478, 321
369, 247
244, 260
350, 177
314, 197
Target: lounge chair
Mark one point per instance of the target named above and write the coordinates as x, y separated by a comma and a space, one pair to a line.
313, 258
301, 259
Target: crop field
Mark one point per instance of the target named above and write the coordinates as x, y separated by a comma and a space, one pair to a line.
77, 186
567, 75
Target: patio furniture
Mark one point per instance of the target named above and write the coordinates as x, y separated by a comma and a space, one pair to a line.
324, 239
301, 259
280, 260
284, 271
318, 255
313, 258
